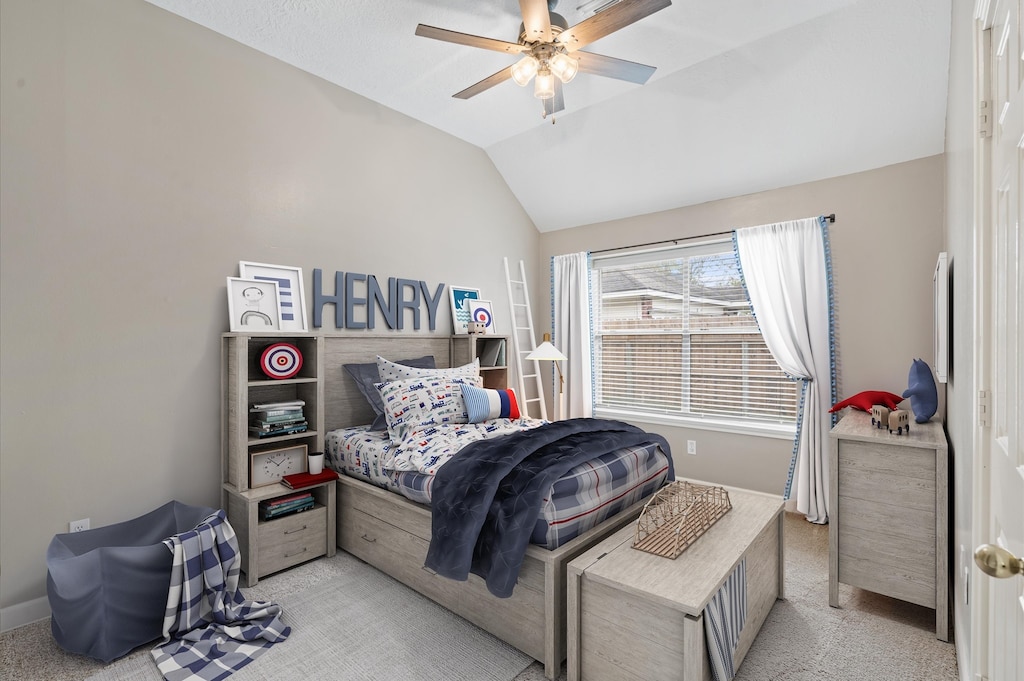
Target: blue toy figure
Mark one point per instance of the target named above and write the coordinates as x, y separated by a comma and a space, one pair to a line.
924, 398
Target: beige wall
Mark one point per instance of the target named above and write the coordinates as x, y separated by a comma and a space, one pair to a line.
887, 235
143, 157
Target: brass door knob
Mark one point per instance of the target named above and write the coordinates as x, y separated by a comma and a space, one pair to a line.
996, 561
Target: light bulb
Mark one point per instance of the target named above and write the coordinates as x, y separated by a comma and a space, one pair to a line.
544, 85
523, 70
564, 67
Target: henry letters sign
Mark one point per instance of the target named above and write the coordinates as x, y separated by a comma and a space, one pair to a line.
358, 298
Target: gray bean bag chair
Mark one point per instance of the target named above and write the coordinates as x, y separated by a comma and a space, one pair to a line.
108, 587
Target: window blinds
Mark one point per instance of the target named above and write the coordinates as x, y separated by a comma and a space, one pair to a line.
674, 334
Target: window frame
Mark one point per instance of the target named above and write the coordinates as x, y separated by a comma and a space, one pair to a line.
736, 425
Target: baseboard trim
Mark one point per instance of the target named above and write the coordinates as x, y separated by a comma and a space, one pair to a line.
20, 614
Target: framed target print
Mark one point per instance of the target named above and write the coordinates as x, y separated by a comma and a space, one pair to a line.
480, 312
290, 290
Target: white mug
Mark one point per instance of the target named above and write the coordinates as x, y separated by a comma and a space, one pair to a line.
316, 463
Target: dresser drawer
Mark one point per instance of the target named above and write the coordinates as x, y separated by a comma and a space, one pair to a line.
291, 540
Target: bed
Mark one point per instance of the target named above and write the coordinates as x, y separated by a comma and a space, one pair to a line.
383, 519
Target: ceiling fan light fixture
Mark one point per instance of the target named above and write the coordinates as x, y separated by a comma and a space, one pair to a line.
544, 85
564, 66
524, 69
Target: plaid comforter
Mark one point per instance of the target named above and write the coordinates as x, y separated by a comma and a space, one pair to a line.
486, 500
210, 630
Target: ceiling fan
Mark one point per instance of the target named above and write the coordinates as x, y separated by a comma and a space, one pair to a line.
550, 48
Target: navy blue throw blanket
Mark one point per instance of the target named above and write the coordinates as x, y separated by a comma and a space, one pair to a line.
486, 499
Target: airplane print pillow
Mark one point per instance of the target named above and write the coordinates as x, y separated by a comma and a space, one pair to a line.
417, 403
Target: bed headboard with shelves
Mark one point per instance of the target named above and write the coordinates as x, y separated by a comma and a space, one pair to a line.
344, 405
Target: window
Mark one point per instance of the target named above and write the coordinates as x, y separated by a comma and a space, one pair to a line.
675, 337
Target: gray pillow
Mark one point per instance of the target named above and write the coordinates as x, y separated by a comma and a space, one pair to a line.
365, 375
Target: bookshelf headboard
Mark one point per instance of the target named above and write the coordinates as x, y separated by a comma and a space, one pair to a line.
344, 405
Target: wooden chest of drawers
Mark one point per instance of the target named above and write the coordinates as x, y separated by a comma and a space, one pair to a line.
292, 540
888, 524
267, 546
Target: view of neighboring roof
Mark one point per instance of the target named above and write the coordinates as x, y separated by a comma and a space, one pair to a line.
720, 284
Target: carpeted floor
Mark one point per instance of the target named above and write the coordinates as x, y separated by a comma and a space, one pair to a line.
803, 639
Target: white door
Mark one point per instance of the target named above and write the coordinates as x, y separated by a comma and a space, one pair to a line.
997, 617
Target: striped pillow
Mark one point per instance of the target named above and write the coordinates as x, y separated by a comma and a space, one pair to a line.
484, 404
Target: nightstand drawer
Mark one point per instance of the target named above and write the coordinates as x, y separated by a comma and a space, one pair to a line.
292, 540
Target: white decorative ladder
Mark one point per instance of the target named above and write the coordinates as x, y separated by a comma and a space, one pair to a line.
524, 340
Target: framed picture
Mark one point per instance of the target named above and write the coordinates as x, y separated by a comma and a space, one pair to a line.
253, 305
480, 312
290, 290
461, 298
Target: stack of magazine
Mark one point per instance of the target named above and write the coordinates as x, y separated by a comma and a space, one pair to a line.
277, 418
293, 503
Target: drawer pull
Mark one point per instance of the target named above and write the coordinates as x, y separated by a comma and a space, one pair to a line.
297, 553
298, 530
372, 540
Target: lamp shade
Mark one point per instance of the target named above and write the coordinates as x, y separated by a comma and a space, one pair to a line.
564, 67
547, 351
544, 85
524, 69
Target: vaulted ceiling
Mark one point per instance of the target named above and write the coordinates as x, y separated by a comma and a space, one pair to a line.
748, 95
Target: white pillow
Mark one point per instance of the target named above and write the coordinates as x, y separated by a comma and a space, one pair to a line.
417, 403
391, 371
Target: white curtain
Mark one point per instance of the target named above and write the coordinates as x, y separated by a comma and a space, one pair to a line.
787, 274
571, 331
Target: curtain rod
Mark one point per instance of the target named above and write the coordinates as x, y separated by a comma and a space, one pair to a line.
831, 217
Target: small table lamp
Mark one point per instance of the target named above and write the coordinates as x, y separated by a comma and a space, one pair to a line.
547, 351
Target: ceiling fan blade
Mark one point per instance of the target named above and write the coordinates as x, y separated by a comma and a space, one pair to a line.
485, 84
536, 21
610, 67
554, 104
467, 39
617, 16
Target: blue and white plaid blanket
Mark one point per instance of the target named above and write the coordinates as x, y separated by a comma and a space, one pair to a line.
724, 618
210, 630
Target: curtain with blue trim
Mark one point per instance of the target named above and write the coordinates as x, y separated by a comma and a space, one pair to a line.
787, 273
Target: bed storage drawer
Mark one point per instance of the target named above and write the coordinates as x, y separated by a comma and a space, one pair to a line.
401, 554
392, 533
292, 540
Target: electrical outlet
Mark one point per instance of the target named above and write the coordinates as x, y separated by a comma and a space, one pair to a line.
691, 447
79, 525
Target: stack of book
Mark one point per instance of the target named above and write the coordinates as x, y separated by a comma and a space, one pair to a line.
277, 418
300, 480
293, 503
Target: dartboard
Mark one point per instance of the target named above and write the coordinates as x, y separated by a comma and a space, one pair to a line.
281, 360
482, 315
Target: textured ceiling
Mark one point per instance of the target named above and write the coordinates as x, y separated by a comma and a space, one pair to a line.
748, 95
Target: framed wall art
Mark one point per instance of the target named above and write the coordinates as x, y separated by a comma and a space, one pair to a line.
253, 305
480, 312
461, 299
290, 290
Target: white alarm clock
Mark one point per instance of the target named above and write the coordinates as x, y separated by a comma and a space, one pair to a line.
268, 467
